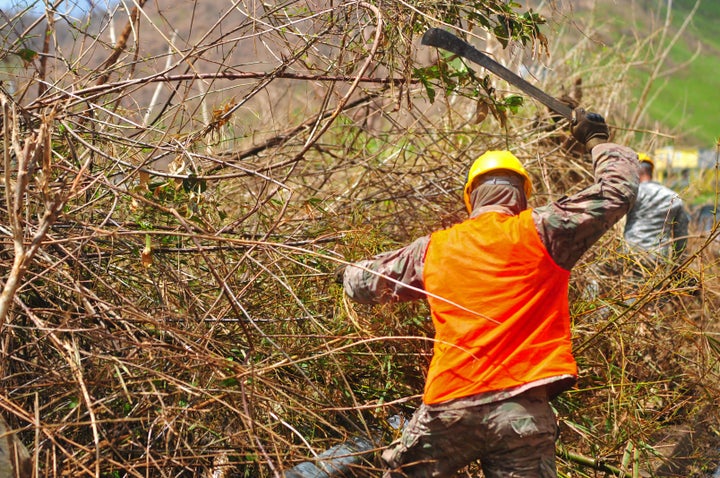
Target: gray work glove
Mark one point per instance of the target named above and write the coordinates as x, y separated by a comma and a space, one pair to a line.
589, 128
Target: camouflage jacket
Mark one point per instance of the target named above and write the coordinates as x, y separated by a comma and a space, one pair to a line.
658, 222
567, 227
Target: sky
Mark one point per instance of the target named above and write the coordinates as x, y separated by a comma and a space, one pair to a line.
74, 7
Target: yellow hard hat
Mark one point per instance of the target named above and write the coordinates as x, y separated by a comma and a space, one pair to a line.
493, 161
644, 158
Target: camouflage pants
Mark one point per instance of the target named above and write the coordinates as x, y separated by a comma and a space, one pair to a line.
513, 438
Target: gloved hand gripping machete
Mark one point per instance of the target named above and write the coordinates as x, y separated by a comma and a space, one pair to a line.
447, 41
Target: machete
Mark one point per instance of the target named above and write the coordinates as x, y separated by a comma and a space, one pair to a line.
447, 41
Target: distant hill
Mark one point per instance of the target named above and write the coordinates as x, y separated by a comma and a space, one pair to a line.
697, 85
681, 99
682, 96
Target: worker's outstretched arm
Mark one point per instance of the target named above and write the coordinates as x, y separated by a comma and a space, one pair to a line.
570, 226
386, 277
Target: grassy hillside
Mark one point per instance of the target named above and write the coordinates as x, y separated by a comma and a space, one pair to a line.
683, 97
688, 98
629, 40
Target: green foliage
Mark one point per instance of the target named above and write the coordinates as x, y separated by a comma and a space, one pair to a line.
26, 54
501, 18
453, 74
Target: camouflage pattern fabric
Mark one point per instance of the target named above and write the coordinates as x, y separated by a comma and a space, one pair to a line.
567, 227
571, 225
513, 438
658, 223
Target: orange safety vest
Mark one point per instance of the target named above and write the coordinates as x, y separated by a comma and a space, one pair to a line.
500, 308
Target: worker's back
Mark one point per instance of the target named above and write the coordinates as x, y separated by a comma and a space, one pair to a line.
655, 219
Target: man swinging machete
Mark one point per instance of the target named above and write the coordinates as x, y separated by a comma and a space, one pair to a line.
497, 287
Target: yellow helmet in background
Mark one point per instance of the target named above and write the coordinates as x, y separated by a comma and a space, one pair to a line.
494, 161
644, 158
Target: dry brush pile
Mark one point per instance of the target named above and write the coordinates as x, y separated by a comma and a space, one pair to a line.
181, 179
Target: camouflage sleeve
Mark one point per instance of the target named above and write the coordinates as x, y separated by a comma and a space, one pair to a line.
394, 276
570, 226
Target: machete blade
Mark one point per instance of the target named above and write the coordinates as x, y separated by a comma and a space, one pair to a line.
445, 40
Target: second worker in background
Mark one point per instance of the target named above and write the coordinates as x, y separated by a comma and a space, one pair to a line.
657, 225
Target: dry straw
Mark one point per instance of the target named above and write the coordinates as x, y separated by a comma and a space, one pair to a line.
178, 194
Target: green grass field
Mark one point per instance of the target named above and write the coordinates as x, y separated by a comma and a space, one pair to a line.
682, 98
686, 100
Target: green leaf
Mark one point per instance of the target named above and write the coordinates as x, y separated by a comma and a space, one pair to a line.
429, 90
714, 344
26, 54
513, 102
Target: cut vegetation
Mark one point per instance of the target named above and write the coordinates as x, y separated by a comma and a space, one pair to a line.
180, 180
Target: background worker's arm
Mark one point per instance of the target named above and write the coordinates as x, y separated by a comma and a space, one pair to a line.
570, 226
384, 277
